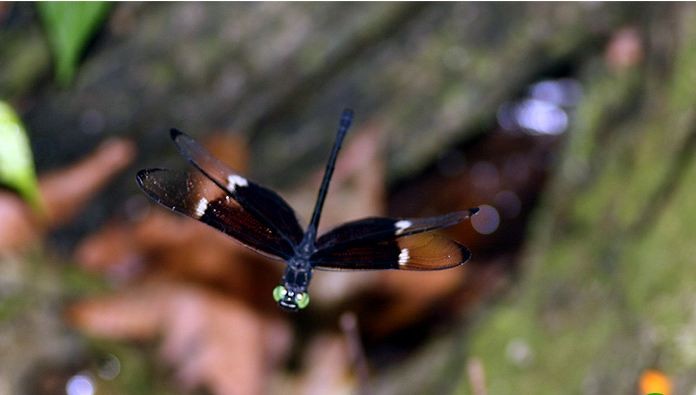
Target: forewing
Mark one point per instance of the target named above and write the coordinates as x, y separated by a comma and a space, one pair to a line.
380, 228
262, 203
423, 251
198, 197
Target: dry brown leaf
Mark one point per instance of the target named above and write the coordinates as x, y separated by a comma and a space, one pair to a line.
19, 226
327, 367
63, 193
134, 313
173, 246
412, 295
220, 343
213, 341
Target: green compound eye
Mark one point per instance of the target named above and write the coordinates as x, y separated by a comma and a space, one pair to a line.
279, 293
302, 300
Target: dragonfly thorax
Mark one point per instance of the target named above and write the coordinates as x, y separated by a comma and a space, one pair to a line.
297, 274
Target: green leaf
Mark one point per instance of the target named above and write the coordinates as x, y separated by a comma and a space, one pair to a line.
16, 162
69, 25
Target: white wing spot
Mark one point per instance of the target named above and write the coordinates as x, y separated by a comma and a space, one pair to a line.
404, 256
201, 207
234, 180
401, 226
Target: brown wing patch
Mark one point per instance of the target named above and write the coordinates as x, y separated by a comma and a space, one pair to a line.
423, 251
428, 251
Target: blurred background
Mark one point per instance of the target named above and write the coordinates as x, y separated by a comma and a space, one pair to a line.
572, 126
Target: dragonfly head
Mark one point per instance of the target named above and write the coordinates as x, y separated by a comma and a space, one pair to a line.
289, 299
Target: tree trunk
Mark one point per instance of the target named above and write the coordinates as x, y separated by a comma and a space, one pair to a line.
608, 284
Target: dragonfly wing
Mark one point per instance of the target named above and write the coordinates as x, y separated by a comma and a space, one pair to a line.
380, 228
264, 204
198, 197
423, 251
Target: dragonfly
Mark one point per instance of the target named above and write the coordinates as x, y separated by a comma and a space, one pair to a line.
261, 220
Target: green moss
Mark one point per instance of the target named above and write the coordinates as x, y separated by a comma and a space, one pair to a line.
684, 76
137, 372
610, 285
654, 266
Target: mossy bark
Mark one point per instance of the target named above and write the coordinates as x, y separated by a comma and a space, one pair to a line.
608, 288
610, 285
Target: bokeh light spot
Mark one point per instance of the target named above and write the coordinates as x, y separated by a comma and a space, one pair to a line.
487, 220
564, 92
654, 381
541, 117
110, 367
519, 352
80, 384
544, 111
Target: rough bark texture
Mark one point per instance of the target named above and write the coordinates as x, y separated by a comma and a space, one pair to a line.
431, 75
607, 288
